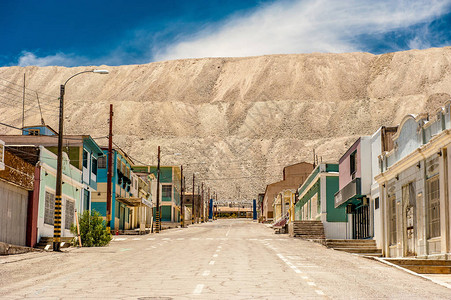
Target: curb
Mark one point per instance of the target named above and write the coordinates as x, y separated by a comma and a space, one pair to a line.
9, 249
382, 260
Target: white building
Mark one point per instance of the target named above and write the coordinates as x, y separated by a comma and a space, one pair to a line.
415, 188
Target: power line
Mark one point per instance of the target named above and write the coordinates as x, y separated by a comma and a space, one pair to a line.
48, 95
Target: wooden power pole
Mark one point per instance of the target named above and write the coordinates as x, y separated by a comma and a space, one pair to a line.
182, 211
192, 213
109, 172
157, 213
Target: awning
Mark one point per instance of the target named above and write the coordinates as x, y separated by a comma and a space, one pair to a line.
134, 201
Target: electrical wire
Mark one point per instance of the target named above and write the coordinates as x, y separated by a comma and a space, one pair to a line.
21, 86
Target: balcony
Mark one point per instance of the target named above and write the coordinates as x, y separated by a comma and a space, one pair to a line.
351, 191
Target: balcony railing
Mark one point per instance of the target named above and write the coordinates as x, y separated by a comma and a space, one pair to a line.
352, 189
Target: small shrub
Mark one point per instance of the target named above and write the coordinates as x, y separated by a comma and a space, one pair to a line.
93, 232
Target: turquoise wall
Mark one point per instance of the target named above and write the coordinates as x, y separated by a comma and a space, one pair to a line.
333, 214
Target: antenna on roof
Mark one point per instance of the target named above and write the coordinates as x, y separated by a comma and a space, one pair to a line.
40, 111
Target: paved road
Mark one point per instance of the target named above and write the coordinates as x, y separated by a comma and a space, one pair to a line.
225, 259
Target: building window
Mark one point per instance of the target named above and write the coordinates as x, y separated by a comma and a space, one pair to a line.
69, 214
85, 159
392, 214
49, 208
376, 203
167, 191
101, 162
94, 166
353, 163
433, 196
34, 132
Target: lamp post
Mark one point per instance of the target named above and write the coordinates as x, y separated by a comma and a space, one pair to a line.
57, 215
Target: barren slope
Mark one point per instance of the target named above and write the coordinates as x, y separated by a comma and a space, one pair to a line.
236, 121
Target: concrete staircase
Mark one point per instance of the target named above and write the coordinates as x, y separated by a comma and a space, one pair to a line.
423, 266
309, 230
362, 247
48, 241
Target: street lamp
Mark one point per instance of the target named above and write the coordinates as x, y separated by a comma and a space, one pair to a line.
57, 215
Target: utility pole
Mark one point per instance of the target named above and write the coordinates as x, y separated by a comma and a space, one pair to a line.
314, 159
202, 204
23, 102
157, 213
57, 213
192, 213
109, 172
59, 171
198, 206
182, 211
210, 203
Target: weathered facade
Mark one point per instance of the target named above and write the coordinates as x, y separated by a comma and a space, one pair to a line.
16, 199
293, 176
82, 150
415, 188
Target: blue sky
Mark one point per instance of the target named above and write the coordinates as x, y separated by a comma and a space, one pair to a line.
72, 33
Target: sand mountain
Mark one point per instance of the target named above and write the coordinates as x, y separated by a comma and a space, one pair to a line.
235, 121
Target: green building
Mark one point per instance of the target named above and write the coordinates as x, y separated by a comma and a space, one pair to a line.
170, 191
316, 201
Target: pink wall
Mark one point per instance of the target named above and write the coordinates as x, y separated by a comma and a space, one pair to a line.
345, 165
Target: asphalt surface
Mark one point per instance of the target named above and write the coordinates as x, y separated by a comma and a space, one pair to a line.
224, 259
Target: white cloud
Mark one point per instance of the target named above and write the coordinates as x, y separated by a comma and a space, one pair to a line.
59, 59
303, 26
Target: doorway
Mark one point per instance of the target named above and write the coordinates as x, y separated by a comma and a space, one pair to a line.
361, 222
408, 212
122, 218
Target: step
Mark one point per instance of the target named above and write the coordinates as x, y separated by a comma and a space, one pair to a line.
333, 245
306, 222
360, 250
308, 236
44, 245
420, 262
429, 269
46, 239
351, 240
308, 228
371, 254
351, 243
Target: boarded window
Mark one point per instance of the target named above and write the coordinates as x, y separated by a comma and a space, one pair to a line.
101, 162
167, 191
69, 214
433, 192
392, 214
49, 208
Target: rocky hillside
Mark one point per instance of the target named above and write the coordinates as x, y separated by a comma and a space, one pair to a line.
235, 121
